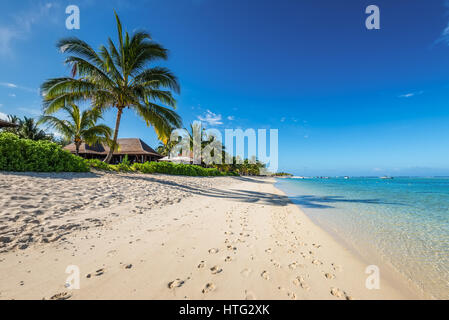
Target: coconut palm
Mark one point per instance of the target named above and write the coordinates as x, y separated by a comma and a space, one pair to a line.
118, 77
80, 127
29, 129
165, 148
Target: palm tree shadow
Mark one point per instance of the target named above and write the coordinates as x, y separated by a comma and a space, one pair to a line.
327, 202
263, 198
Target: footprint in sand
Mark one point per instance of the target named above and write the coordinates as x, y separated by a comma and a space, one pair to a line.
213, 250
316, 245
215, 270
299, 281
317, 262
340, 293
249, 295
245, 272
329, 276
275, 263
265, 275
293, 265
228, 259
208, 287
175, 283
292, 295
99, 272
337, 292
201, 265
337, 267
61, 296
269, 250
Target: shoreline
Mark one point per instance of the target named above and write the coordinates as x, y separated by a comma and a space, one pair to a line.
172, 237
392, 274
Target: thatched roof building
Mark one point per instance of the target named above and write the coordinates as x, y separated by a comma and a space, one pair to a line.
136, 149
6, 124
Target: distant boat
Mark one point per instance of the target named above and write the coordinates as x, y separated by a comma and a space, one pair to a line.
386, 178
346, 177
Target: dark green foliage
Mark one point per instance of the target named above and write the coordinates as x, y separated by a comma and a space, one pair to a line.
100, 165
125, 165
176, 169
282, 174
25, 155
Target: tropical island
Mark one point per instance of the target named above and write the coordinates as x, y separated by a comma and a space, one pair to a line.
88, 213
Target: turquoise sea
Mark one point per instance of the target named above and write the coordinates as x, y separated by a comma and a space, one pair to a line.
403, 222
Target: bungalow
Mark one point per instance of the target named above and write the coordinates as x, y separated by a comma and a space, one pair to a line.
6, 124
136, 149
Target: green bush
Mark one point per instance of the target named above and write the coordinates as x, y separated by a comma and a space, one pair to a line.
125, 165
23, 155
176, 169
100, 165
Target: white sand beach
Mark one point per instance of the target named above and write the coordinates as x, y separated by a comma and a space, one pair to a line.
136, 236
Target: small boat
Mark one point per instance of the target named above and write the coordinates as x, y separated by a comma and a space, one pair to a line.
346, 177
387, 178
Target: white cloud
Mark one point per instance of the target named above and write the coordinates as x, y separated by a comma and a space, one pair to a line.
231, 118
23, 25
34, 112
3, 116
15, 86
6, 37
411, 94
12, 95
282, 119
211, 118
8, 85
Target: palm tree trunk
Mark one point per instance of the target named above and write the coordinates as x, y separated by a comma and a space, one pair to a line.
77, 148
117, 126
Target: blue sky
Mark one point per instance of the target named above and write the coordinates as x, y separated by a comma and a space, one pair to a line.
346, 100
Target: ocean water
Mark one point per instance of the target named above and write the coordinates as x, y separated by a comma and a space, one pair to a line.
404, 222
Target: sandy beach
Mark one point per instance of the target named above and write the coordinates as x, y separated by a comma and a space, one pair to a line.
135, 236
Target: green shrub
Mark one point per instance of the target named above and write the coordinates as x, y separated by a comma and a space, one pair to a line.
176, 169
23, 155
100, 165
125, 165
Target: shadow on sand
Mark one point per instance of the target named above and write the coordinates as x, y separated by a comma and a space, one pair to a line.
325, 202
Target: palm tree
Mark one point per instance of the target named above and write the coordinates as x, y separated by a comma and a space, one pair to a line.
29, 129
165, 148
118, 77
81, 127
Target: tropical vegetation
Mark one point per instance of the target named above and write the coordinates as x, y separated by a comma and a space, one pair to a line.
81, 127
26, 155
118, 77
27, 128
